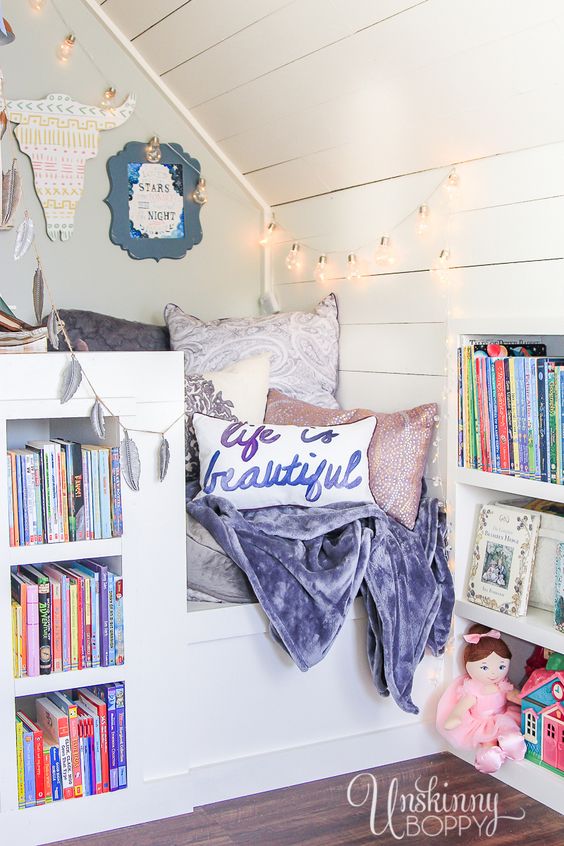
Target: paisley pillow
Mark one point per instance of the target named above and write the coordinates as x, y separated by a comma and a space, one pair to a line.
236, 393
397, 454
303, 347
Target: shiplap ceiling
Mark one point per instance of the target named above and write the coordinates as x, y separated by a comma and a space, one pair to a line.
311, 96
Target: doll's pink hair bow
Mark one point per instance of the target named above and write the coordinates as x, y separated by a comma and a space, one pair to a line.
476, 638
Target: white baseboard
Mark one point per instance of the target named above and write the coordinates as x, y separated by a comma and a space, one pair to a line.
285, 767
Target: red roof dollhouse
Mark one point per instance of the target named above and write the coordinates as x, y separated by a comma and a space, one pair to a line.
542, 708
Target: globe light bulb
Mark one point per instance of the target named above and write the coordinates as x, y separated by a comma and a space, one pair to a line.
384, 256
153, 152
37, 5
423, 223
320, 271
452, 184
353, 271
441, 266
200, 193
293, 258
268, 233
66, 47
108, 98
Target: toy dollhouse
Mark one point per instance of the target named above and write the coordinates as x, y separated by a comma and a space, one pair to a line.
542, 721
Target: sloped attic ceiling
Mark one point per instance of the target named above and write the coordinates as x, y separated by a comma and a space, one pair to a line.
310, 96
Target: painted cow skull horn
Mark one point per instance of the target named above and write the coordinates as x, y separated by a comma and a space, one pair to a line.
60, 135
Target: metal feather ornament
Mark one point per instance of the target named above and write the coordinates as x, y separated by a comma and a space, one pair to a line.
38, 292
164, 458
11, 195
97, 419
130, 461
53, 329
24, 237
72, 377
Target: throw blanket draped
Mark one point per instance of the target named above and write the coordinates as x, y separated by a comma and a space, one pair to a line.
306, 566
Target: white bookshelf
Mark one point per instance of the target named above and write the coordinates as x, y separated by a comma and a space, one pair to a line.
145, 391
469, 489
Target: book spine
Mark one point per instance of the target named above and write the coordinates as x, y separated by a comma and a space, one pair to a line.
96, 493
541, 374
88, 528
476, 413
32, 631
514, 416
38, 497
30, 499
20, 763
105, 496
119, 624
22, 500
10, 503
66, 622
83, 758
39, 763
81, 618
75, 751
15, 499
29, 769
460, 407
15, 645
111, 619
85, 695
494, 419
47, 772
121, 735
104, 624
522, 416
74, 644
92, 757
56, 780
77, 482
535, 418
58, 535
558, 420
117, 516
44, 610
65, 758
19, 635
502, 416
552, 421
86, 583
56, 626
561, 416
64, 492
110, 696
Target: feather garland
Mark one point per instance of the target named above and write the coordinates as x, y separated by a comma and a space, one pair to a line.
72, 377
130, 462
38, 292
97, 419
53, 329
164, 458
11, 195
24, 237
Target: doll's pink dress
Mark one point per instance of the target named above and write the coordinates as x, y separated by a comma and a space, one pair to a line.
491, 717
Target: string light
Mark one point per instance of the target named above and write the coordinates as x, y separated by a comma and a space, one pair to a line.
37, 5
293, 258
384, 256
423, 223
108, 98
452, 184
200, 193
353, 271
153, 152
441, 266
321, 268
66, 47
268, 233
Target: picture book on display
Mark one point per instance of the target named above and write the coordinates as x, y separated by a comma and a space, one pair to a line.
66, 617
60, 491
73, 745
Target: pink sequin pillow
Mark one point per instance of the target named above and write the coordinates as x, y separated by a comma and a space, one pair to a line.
397, 454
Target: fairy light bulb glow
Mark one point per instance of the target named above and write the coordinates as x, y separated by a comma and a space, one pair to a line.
293, 258
269, 232
200, 193
423, 220
36, 5
108, 98
441, 268
384, 256
320, 272
353, 271
66, 47
452, 184
153, 152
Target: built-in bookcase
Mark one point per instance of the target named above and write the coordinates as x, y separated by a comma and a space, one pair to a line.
470, 489
145, 392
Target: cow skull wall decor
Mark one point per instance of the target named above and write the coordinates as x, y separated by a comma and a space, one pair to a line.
59, 135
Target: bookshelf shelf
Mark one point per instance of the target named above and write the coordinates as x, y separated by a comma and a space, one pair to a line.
37, 685
535, 627
510, 484
47, 552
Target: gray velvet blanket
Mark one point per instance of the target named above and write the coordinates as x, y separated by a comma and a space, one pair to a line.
307, 565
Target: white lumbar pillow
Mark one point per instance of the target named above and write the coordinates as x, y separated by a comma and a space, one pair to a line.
259, 466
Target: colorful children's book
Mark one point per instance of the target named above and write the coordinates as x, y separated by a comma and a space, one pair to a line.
69, 708
55, 725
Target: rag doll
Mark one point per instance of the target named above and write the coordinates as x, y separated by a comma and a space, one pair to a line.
480, 710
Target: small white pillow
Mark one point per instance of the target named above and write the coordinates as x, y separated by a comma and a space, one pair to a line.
260, 466
237, 392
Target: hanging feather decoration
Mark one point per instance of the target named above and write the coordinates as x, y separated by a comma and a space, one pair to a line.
97, 419
72, 377
164, 458
24, 237
130, 461
53, 329
11, 195
38, 293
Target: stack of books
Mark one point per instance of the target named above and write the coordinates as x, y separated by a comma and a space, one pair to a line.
511, 410
66, 617
72, 745
61, 491
17, 336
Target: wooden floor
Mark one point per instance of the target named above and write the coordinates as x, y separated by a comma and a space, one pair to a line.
318, 814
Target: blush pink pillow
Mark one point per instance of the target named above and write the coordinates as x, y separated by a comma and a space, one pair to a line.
397, 454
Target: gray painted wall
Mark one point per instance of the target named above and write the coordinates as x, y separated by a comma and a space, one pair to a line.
219, 277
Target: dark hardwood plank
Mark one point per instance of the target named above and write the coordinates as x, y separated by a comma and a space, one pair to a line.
318, 814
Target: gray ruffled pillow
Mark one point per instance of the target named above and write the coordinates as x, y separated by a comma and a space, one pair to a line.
303, 347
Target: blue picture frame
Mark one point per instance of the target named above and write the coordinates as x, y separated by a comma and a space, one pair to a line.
182, 171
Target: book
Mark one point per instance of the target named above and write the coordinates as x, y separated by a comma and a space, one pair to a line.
559, 589
38, 757
107, 693
69, 708
28, 765
87, 696
502, 559
20, 763
121, 735
55, 725
32, 622
116, 510
44, 614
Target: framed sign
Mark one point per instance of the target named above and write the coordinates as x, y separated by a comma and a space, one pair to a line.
153, 213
